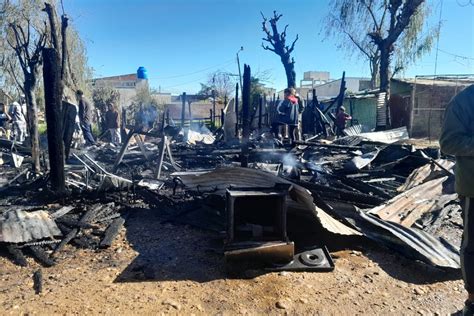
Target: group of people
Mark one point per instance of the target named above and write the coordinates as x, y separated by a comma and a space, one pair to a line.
13, 121
82, 115
288, 112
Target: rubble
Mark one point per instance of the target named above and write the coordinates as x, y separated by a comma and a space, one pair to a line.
364, 185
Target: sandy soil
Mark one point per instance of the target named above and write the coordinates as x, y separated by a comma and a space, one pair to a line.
156, 268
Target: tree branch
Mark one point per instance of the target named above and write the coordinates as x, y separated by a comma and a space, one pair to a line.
268, 48
293, 45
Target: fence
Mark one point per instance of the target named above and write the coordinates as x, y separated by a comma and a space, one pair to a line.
428, 100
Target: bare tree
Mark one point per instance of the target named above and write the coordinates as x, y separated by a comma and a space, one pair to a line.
278, 45
26, 38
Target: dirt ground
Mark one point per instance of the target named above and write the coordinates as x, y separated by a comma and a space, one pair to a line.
155, 267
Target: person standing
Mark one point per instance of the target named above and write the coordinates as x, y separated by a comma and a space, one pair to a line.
69, 125
341, 118
112, 122
287, 114
457, 138
4, 121
85, 118
18, 122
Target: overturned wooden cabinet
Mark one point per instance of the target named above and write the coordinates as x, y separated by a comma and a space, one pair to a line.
256, 226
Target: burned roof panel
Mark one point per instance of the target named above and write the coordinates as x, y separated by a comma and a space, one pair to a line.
407, 207
19, 226
413, 242
220, 179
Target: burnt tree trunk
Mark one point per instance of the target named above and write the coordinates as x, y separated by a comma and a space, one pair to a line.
54, 118
384, 68
374, 71
237, 110
32, 116
289, 71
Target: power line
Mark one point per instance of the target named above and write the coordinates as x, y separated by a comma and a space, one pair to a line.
437, 40
197, 71
185, 83
468, 2
455, 55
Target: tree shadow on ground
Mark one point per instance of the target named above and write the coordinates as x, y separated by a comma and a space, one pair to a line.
169, 252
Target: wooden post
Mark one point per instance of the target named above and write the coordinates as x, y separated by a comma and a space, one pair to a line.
54, 118
123, 149
213, 117
210, 116
245, 117
260, 108
237, 110
162, 150
222, 117
190, 113
183, 109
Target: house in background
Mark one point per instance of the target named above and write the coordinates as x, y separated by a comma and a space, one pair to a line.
127, 85
420, 103
326, 87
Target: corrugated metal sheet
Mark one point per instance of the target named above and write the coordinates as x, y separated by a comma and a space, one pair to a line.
220, 179
421, 245
387, 137
381, 110
425, 173
20, 226
407, 207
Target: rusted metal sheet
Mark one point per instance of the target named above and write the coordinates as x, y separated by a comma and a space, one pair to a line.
407, 207
426, 173
220, 179
412, 242
19, 226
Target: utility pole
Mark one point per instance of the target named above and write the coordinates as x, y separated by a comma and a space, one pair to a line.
238, 65
245, 118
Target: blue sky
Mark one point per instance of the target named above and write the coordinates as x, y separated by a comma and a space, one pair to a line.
180, 42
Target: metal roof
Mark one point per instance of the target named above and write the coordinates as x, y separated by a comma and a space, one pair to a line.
220, 179
407, 207
18, 226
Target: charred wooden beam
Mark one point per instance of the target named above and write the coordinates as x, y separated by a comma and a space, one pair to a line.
42, 256
245, 117
237, 109
17, 254
111, 232
183, 109
38, 281
70, 236
336, 146
343, 195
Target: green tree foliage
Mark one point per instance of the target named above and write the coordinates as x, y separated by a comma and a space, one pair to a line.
392, 33
103, 96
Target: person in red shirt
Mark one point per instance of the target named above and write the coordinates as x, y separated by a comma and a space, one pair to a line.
287, 114
341, 118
